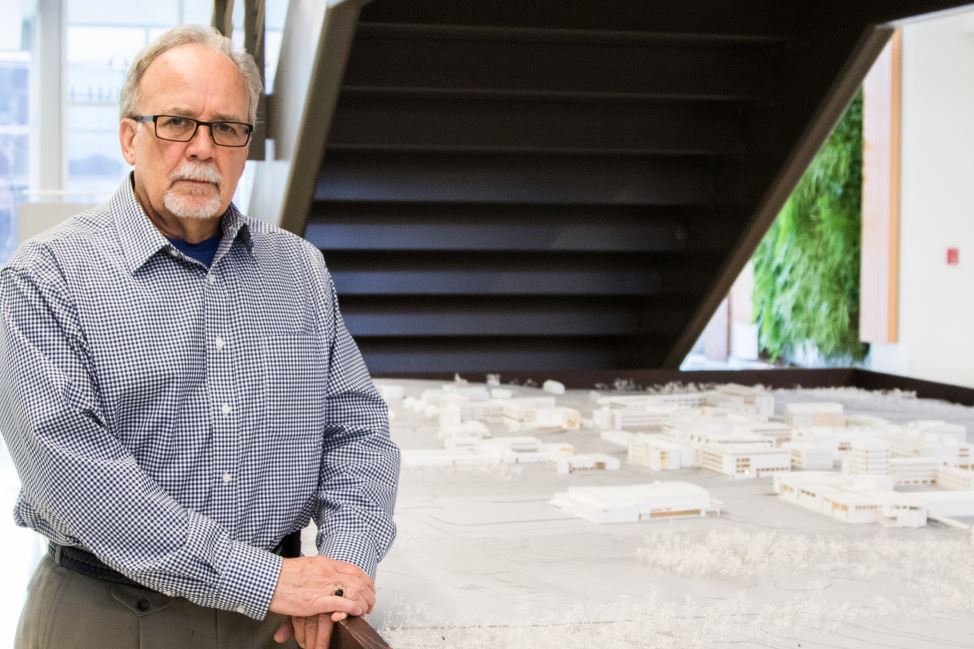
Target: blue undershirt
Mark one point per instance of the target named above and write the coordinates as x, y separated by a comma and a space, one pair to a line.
203, 252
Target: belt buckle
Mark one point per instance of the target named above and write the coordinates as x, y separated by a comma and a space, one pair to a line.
57, 553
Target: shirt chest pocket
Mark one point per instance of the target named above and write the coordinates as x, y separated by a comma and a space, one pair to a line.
295, 371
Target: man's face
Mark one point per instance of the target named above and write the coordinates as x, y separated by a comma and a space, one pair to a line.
194, 179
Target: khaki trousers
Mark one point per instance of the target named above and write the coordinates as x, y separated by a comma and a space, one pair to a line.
67, 610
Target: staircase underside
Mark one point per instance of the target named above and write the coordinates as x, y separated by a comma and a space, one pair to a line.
513, 186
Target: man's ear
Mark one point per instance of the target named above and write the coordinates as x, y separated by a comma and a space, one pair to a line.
127, 129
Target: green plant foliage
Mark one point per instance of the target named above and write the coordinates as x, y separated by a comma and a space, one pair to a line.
806, 269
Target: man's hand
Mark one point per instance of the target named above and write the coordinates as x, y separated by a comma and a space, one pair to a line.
306, 588
312, 632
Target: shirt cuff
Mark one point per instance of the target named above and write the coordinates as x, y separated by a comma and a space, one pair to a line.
353, 548
248, 580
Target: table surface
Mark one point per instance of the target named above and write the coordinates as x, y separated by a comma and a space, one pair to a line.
483, 560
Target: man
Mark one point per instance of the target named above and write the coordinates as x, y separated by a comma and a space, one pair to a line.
180, 395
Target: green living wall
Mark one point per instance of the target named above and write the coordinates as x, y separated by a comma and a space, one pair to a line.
806, 269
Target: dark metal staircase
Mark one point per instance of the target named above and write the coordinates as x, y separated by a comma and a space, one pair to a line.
556, 185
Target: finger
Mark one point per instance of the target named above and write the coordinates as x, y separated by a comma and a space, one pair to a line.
362, 578
363, 597
369, 601
324, 632
284, 631
361, 600
332, 604
311, 632
299, 630
364, 588
338, 617
369, 586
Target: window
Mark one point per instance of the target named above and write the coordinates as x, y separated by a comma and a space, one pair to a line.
14, 180
98, 59
14, 133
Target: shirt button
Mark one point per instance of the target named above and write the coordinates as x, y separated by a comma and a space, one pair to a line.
219, 342
173, 252
225, 408
241, 609
227, 477
210, 277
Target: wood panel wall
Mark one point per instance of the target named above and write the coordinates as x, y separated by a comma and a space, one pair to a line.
880, 267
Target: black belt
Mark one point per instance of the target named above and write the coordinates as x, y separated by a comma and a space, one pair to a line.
85, 563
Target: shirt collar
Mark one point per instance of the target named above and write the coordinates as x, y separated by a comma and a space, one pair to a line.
139, 237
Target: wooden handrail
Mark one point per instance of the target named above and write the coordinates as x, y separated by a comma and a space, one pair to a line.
356, 633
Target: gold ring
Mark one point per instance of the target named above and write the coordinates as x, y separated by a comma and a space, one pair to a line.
339, 591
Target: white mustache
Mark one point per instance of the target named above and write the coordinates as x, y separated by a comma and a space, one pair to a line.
202, 172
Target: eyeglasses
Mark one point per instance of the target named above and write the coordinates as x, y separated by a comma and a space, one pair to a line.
177, 128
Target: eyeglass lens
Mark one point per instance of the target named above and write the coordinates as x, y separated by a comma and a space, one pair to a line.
182, 129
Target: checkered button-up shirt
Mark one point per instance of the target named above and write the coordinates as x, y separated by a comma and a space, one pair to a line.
179, 421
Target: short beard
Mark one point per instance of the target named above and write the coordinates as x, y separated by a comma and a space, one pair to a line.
189, 207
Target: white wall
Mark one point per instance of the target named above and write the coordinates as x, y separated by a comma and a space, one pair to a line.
936, 308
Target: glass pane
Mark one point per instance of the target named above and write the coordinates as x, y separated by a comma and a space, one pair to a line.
13, 184
156, 32
93, 118
13, 92
238, 16
108, 46
13, 158
95, 154
275, 11
272, 51
102, 43
92, 189
14, 143
123, 12
197, 13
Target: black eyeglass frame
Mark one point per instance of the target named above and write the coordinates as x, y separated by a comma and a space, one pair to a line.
155, 128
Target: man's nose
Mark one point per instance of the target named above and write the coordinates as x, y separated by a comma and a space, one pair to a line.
202, 145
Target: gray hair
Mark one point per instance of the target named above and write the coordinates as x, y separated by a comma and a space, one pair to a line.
189, 35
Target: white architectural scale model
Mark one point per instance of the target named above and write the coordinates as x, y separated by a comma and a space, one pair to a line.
634, 503
818, 457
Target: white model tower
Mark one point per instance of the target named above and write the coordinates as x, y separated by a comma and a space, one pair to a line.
870, 456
